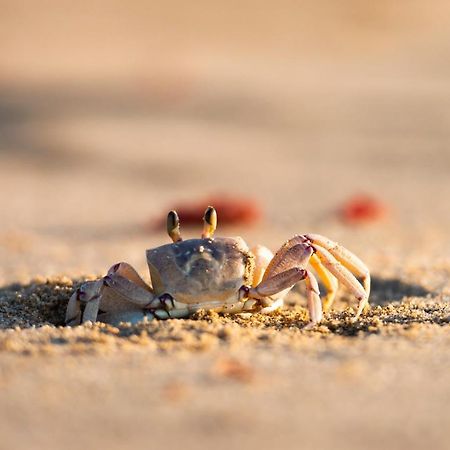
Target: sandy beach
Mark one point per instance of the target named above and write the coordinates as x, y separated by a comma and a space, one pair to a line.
298, 109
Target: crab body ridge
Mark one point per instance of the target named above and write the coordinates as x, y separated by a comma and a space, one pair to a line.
201, 270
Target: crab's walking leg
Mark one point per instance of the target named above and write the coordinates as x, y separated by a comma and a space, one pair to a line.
285, 280
128, 289
343, 275
73, 311
345, 257
341, 254
281, 253
127, 271
89, 294
279, 282
313, 299
296, 255
114, 292
286, 269
330, 282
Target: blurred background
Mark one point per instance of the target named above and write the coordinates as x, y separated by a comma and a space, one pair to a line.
318, 116
111, 112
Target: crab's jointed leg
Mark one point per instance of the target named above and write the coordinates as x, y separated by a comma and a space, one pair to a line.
285, 280
296, 255
121, 294
345, 257
313, 300
123, 286
279, 282
89, 294
344, 276
330, 282
342, 264
332, 263
286, 269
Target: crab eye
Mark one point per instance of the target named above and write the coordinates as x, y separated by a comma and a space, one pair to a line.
209, 222
173, 226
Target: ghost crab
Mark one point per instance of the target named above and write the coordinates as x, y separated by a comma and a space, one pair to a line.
220, 274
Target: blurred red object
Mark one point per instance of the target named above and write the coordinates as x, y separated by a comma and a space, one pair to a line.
362, 209
230, 211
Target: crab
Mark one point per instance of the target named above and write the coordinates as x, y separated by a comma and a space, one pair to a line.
221, 274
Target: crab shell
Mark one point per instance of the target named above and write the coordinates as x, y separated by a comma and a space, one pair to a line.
201, 270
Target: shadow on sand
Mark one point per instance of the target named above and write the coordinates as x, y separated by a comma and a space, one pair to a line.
387, 290
43, 303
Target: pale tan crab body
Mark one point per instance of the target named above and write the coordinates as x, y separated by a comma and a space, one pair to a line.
220, 274
201, 270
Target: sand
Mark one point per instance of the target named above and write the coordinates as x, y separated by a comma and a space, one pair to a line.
258, 381
106, 124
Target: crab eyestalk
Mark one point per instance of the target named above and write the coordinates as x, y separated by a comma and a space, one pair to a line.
173, 226
209, 223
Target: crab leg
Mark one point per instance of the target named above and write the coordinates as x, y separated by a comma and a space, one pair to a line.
87, 293
73, 311
286, 280
313, 300
345, 257
330, 282
279, 282
296, 255
343, 275
282, 251
120, 287
91, 309
128, 271
286, 269
331, 262
126, 288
